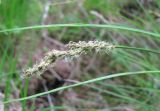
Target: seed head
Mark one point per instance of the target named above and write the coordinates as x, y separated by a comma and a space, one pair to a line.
98, 46
75, 50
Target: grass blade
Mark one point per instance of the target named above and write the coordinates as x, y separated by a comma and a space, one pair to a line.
82, 83
110, 26
139, 49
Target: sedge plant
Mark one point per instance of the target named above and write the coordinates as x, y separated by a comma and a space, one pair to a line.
75, 50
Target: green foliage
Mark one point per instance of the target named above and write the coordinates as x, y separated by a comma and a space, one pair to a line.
139, 91
13, 13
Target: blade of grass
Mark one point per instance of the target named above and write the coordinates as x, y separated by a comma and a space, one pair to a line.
82, 83
129, 87
136, 48
157, 35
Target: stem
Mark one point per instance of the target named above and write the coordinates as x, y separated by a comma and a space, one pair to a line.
139, 49
82, 83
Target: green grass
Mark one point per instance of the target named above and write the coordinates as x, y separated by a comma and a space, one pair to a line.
83, 83
13, 15
140, 34
83, 25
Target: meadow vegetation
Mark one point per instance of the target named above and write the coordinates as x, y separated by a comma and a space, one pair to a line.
125, 79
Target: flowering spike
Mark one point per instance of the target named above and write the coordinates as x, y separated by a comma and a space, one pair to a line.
98, 46
75, 50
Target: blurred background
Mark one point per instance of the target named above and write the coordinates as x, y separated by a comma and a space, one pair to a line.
21, 49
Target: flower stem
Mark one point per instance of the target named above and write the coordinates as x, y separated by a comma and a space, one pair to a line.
136, 48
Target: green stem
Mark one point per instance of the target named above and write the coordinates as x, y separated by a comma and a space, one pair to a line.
82, 83
110, 26
139, 49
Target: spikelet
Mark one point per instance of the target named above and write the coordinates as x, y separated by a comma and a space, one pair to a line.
97, 46
50, 59
75, 50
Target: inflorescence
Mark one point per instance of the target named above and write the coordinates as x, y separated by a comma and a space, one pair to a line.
75, 50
